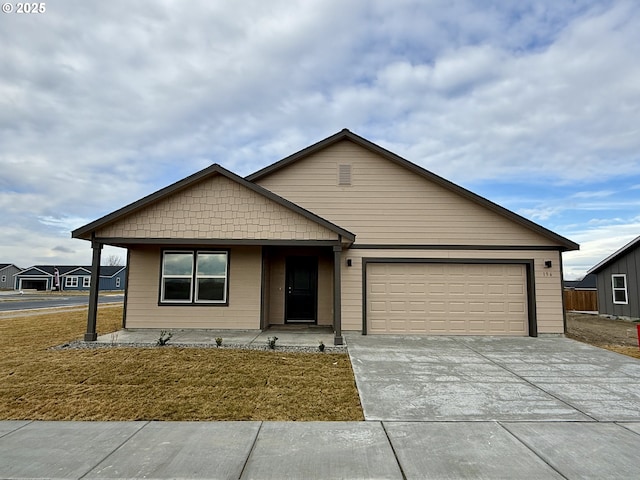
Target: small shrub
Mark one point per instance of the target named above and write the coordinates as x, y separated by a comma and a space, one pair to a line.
165, 336
271, 341
218, 341
321, 346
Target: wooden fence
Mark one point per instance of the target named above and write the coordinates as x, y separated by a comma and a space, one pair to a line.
583, 300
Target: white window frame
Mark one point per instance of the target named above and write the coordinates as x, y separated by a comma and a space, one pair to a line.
163, 277
86, 282
117, 282
71, 282
199, 276
619, 289
4, 278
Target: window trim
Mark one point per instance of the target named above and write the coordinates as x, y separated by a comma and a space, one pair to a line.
117, 282
193, 300
163, 301
4, 278
615, 289
71, 282
86, 282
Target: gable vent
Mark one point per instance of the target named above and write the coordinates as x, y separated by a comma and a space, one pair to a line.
344, 174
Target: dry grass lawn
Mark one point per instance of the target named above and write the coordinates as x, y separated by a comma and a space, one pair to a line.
629, 351
166, 383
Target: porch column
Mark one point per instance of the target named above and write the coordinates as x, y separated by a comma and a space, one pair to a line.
92, 335
337, 295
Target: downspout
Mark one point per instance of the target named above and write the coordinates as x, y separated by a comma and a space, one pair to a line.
91, 335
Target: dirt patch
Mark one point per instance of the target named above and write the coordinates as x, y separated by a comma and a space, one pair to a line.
618, 335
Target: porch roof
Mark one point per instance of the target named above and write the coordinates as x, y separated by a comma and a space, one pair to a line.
213, 206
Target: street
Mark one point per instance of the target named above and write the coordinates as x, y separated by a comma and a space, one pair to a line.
13, 302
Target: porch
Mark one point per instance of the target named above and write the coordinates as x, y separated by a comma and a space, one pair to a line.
306, 338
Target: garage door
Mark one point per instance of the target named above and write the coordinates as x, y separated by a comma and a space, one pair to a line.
446, 299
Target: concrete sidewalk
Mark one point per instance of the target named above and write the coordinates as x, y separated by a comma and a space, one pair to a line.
319, 450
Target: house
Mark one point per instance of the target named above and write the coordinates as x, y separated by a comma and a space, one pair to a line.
7, 271
618, 282
588, 283
343, 233
78, 278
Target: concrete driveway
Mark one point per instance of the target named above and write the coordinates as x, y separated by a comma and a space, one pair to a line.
406, 378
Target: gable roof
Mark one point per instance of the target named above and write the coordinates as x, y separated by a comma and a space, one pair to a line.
215, 169
632, 245
345, 134
7, 265
587, 283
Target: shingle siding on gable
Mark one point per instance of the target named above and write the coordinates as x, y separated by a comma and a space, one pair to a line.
388, 204
217, 208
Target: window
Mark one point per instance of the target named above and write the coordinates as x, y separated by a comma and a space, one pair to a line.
194, 277
86, 282
71, 282
117, 282
619, 283
4, 278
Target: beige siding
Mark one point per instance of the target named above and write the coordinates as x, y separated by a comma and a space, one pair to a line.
548, 285
217, 208
243, 311
388, 204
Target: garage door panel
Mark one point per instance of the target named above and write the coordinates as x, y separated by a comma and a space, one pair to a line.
447, 299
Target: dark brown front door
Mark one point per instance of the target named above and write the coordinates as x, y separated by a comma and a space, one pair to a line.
301, 296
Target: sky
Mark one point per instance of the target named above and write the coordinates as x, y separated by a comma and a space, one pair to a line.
533, 105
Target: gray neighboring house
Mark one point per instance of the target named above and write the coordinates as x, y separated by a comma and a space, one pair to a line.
587, 283
7, 272
71, 277
618, 281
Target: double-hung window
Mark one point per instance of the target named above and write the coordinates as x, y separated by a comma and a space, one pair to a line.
619, 284
71, 282
194, 277
86, 282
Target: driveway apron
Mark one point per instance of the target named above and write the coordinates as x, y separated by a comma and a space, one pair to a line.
412, 378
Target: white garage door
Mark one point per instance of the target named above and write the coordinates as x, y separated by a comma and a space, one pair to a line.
446, 299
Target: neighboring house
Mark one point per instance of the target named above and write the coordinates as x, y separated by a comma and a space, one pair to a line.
7, 271
618, 281
43, 277
343, 233
588, 283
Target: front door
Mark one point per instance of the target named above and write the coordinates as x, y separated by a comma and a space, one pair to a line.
301, 296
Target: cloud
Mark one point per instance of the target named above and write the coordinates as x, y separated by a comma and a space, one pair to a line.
62, 249
103, 103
